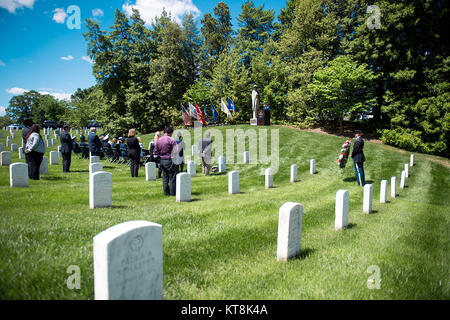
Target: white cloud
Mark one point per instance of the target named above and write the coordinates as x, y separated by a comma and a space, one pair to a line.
2, 111
2, 64
151, 9
12, 5
59, 16
57, 95
16, 91
87, 59
97, 12
67, 58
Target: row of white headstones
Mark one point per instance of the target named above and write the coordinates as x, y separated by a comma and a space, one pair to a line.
128, 259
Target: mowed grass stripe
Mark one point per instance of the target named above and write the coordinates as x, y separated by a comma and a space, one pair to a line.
224, 247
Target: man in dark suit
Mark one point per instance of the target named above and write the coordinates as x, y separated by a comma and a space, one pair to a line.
27, 125
66, 148
95, 145
358, 158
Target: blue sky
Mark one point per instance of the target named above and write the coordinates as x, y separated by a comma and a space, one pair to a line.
40, 52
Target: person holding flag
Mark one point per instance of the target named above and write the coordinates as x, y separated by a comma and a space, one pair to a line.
224, 108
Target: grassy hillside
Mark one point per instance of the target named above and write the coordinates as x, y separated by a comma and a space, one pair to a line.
222, 246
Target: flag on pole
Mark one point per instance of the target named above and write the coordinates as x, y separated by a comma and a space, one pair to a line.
224, 108
214, 112
231, 105
193, 111
200, 114
186, 117
205, 114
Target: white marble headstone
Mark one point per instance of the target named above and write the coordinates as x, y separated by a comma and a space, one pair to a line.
95, 167
289, 230
269, 178
14, 147
150, 171
222, 164
100, 190
194, 150
128, 262
406, 170
5, 158
54, 158
1, 147
94, 159
341, 209
383, 191
294, 171
18, 175
8, 142
233, 182
21, 154
312, 166
393, 187
43, 169
411, 160
403, 180
368, 196
183, 187
246, 157
192, 168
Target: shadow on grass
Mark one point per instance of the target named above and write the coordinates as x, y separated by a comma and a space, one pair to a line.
351, 226
79, 171
304, 253
51, 178
118, 207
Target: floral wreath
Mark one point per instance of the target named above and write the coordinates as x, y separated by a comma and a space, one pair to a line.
345, 151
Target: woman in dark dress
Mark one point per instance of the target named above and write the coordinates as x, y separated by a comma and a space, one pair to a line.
134, 152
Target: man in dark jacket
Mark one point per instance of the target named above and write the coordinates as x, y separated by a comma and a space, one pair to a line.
95, 145
27, 123
66, 148
358, 158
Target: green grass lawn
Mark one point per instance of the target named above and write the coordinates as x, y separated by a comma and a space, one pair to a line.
222, 246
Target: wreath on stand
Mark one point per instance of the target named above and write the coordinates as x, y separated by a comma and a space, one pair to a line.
345, 151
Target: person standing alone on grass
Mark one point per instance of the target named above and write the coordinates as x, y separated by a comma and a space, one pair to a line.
205, 147
180, 154
35, 147
95, 145
27, 123
358, 158
167, 148
66, 148
134, 152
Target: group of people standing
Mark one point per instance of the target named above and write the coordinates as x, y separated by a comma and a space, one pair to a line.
166, 152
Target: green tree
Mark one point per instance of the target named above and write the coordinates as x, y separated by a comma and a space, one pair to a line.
255, 23
24, 106
216, 35
342, 88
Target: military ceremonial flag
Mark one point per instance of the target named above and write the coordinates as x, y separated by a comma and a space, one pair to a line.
200, 114
193, 111
214, 112
205, 113
186, 117
224, 108
231, 105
